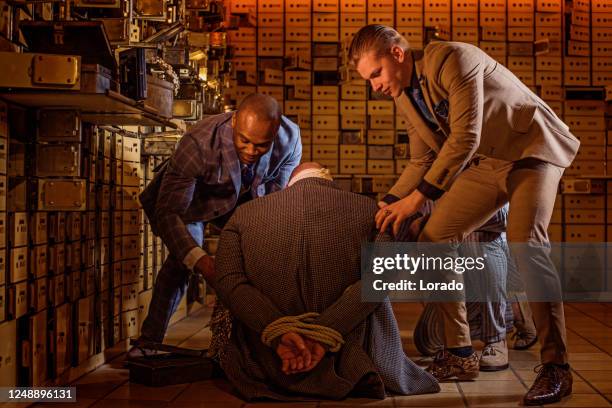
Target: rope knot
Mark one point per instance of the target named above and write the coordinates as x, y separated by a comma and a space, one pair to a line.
303, 324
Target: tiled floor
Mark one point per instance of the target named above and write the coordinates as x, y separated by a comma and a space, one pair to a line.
590, 340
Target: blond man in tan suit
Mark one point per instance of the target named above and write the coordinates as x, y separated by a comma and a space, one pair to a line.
482, 138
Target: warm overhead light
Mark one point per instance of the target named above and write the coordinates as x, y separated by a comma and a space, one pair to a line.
197, 55
203, 73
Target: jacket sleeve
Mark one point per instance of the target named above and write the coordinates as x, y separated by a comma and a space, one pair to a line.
245, 301
349, 310
289, 164
461, 75
175, 195
421, 159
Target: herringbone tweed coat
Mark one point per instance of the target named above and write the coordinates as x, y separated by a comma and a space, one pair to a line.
297, 251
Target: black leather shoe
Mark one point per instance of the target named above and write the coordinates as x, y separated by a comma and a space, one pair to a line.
137, 351
551, 384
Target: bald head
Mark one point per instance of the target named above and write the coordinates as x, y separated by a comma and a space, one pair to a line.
305, 166
307, 170
262, 107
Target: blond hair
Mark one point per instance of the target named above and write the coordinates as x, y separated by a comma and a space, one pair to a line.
375, 37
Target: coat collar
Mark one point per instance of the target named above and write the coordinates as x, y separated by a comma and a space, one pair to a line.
417, 56
229, 157
261, 169
432, 139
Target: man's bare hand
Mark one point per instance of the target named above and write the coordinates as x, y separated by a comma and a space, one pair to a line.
296, 359
317, 351
293, 352
395, 214
206, 267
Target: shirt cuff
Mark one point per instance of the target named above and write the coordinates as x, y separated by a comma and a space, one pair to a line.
429, 190
390, 199
193, 256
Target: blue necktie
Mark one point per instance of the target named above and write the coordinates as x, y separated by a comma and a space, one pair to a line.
247, 175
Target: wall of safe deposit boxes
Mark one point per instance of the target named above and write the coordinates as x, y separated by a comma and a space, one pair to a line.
77, 260
295, 51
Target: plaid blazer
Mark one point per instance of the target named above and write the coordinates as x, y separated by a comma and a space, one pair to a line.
202, 179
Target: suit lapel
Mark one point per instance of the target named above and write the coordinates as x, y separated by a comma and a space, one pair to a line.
418, 64
230, 160
416, 120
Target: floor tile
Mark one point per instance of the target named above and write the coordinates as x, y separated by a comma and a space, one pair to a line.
206, 404
582, 400
523, 355
585, 348
112, 372
358, 402
591, 365
131, 391
528, 376
496, 376
575, 357
589, 375
495, 401
492, 387
449, 387
218, 391
430, 400
80, 403
605, 387
581, 387
96, 390
524, 365
110, 403
282, 405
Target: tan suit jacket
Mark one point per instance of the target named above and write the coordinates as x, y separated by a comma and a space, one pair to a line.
490, 113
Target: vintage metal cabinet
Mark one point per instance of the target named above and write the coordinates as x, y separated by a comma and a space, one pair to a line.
27, 70
58, 160
8, 354
61, 195
59, 125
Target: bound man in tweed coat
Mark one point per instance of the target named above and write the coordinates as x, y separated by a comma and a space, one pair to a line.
479, 138
223, 161
298, 251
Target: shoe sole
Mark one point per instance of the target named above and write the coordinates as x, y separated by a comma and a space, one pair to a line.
494, 368
462, 377
469, 377
534, 403
527, 346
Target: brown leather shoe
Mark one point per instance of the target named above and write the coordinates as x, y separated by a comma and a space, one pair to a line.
448, 366
523, 340
551, 384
